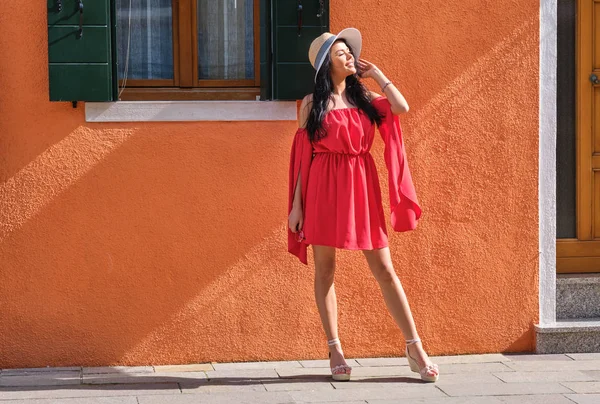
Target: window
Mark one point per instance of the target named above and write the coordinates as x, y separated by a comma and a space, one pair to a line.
188, 49
182, 49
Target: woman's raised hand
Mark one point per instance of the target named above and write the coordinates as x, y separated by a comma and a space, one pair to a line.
367, 69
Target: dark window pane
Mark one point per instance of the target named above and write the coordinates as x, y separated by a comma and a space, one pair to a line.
566, 223
226, 39
145, 27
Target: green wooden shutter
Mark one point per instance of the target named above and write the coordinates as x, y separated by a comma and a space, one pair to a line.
293, 75
81, 68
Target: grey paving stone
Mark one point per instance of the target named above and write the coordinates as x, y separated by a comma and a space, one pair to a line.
344, 395
164, 377
401, 381
499, 389
535, 399
484, 358
372, 383
529, 377
79, 400
374, 362
118, 369
361, 371
460, 378
440, 360
303, 372
584, 398
378, 371
594, 374
112, 390
491, 367
250, 397
298, 384
193, 367
541, 366
525, 399
27, 371
584, 356
443, 400
256, 365
342, 402
324, 363
339, 402
224, 386
537, 357
245, 373
583, 387
42, 379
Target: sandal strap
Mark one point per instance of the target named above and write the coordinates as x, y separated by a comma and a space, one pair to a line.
430, 368
335, 341
413, 341
340, 369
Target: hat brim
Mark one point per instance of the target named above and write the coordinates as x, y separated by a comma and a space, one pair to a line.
352, 37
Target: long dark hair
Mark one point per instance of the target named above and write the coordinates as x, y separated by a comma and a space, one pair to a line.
356, 93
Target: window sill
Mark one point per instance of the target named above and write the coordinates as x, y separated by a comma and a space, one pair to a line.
167, 111
189, 94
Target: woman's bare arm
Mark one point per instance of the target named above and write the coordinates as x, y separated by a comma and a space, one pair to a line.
394, 96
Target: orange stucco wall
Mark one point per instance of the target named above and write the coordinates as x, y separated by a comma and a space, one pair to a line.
165, 243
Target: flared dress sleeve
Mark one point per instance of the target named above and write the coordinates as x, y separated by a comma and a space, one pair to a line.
405, 209
300, 160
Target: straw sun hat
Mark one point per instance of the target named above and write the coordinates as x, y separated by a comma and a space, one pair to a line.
321, 45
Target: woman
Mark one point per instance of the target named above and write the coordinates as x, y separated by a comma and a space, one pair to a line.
335, 199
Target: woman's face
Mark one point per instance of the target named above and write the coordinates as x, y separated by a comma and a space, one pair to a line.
342, 60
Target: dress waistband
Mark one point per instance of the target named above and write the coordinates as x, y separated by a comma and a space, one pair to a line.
364, 153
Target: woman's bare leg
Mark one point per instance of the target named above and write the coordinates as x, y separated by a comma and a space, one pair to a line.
380, 262
326, 299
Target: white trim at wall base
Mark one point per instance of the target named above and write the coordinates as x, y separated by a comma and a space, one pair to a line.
161, 111
547, 162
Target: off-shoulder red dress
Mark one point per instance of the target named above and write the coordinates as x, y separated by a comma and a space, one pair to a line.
341, 198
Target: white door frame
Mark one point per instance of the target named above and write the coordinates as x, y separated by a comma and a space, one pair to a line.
547, 162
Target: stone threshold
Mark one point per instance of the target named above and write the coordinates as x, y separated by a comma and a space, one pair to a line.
570, 325
571, 279
573, 335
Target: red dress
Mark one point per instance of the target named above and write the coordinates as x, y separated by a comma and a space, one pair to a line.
341, 198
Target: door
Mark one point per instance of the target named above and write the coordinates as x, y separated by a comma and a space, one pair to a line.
582, 254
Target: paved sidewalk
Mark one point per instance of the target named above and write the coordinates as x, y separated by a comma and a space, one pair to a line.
472, 379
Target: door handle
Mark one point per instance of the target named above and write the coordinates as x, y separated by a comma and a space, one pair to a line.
321, 9
80, 33
58, 5
594, 79
321, 14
